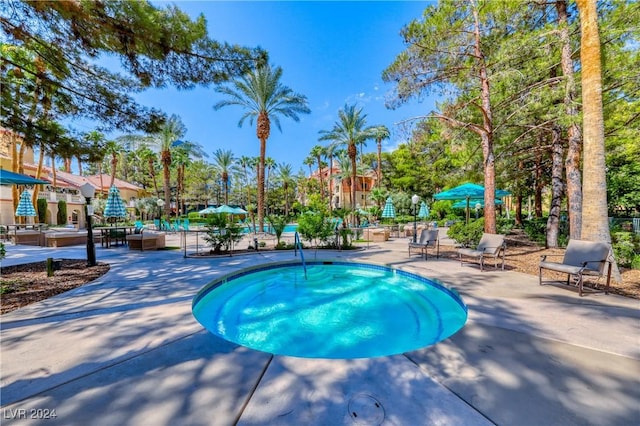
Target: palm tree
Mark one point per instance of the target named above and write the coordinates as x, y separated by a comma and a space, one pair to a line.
285, 177
224, 161
350, 130
380, 133
245, 163
264, 99
330, 152
169, 134
269, 164
309, 161
317, 152
113, 148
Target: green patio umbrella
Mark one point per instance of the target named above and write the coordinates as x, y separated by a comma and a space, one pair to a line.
225, 209
115, 206
11, 178
25, 206
467, 191
462, 204
423, 213
389, 210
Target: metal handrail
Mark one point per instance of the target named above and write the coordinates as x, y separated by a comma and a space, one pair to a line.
298, 246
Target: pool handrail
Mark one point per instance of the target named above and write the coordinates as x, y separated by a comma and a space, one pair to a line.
297, 245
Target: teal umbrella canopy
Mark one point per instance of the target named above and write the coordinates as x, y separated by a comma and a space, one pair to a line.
424, 211
11, 178
389, 210
239, 210
467, 190
225, 209
462, 204
114, 206
208, 210
25, 206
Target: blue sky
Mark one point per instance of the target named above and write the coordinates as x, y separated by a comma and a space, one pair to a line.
332, 52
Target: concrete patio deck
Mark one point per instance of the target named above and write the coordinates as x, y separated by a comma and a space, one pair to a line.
126, 350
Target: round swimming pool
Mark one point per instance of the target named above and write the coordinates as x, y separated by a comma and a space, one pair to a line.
340, 310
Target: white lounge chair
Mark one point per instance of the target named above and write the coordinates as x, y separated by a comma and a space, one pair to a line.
581, 258
490, 245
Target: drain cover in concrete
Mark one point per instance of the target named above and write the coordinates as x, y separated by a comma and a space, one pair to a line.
365, 409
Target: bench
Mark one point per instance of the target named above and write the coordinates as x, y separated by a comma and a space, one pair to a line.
146, 241
63, 239
490, 245
28, 237
581, 258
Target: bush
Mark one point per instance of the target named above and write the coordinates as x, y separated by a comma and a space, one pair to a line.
3, 252
278, 223
221, 233
61, 218
42, 210
626, 247
314, 226
468, 235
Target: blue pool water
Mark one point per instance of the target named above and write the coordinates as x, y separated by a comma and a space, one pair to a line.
292, 227
342, 310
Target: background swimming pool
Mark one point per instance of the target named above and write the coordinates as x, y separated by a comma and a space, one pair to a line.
342, 310
292, 227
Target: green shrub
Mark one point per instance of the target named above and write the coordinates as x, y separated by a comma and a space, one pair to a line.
62, 213
315, 226
635, 263
278, 223
536, 230
468, 235
626, 247
221, 233
3, 251
42, 210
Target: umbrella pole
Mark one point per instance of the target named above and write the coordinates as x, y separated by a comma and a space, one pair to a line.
467, 210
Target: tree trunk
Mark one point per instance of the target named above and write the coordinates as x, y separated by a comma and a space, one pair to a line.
353, 152
263, 151
574, 136
379, 163
595, 222
553, 222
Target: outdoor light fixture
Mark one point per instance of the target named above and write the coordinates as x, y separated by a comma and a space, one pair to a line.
415, 200
88, 191
478, 207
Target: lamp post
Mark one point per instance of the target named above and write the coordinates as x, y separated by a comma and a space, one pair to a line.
478, 207
88, 191
160, 204
414, 200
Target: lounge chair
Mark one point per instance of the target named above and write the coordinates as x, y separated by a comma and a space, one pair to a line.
490, 245
581, 258
428, 238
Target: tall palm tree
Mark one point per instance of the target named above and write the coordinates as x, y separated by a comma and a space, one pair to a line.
113, 149
350, 130
380, 133
269, 164
309, 161
245, 163
317, 152
330, 152
225, 162
169, 134
285, 177
264, 99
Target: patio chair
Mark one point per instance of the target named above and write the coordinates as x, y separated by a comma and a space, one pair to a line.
428, 238
490, 245
581, 258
